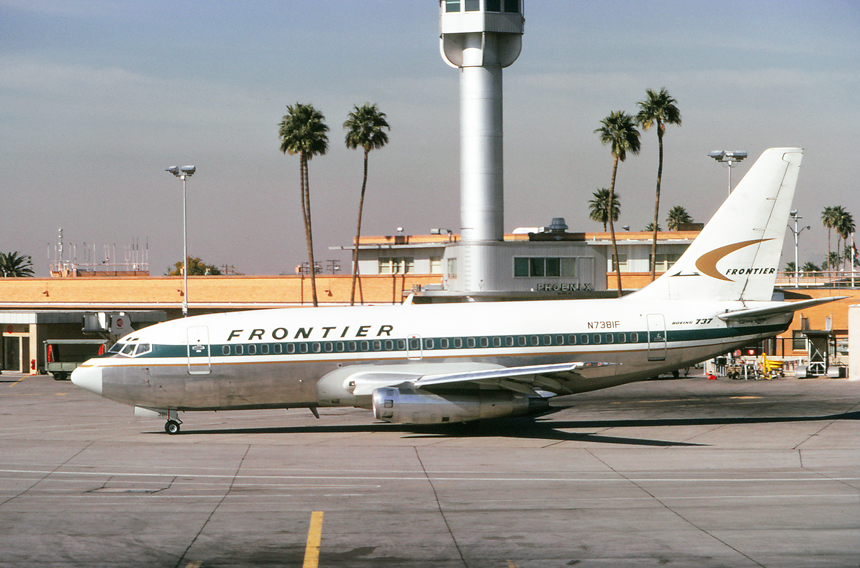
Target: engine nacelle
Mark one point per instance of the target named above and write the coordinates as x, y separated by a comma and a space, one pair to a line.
421, 407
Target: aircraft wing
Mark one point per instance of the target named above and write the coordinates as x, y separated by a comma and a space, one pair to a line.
529, 379
782, 308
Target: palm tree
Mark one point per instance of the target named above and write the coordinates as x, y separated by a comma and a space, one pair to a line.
677, 217
303, 132
844, 226
810, 267
15, 265
365, 128
828, 219
599, 206
619, 131
658, 109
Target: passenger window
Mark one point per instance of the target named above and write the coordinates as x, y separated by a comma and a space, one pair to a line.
252, 350
497, 342
443, 343
225, 350
264, 349
458, 342
584, 339
470, 342
509, 341
239, 350
485, 342
278, 348
571, 339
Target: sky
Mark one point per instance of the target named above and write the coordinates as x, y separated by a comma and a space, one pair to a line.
98, 98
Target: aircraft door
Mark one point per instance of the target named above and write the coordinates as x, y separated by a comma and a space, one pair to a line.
414, 347
199, 361
656, 337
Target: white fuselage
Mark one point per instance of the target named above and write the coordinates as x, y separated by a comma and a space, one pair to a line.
276, 358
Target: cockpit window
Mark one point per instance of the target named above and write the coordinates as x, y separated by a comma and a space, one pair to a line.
128, 349
115, 348
142, 349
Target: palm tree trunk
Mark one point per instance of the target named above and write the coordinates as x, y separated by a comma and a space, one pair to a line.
358, 231
838, 254
612, 226
657, 203
306, 209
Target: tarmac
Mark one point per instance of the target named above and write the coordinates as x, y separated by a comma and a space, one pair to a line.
685, 472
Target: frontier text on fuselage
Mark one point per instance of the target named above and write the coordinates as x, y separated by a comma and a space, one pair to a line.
324, 332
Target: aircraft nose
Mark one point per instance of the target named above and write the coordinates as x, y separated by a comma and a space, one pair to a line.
88, 377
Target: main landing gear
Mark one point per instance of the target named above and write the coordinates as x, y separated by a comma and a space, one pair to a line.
173, 422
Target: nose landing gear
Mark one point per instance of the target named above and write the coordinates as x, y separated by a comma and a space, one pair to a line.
173, 422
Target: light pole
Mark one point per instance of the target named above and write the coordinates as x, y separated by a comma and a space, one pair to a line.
183, 173
728, 157
796, 232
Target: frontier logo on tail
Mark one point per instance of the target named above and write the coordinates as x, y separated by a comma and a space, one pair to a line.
707, 263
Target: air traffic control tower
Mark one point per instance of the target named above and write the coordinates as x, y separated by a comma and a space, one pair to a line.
480, 38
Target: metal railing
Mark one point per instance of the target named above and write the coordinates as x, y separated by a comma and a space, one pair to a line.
821, 279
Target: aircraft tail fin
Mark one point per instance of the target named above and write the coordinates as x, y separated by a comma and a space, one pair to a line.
736, 256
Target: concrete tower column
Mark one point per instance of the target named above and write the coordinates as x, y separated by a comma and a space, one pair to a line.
480, 37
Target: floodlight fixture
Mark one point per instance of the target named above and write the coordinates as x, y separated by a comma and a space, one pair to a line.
728, 157
184, 171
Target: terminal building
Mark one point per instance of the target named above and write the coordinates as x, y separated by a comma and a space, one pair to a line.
531, 263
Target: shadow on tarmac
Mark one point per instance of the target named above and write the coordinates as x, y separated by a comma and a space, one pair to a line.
532, 428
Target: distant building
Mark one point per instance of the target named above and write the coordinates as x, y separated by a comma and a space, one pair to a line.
537, 262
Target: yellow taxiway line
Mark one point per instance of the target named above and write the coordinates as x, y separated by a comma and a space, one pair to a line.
312, 550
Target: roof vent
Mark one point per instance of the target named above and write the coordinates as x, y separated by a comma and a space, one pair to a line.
557, 226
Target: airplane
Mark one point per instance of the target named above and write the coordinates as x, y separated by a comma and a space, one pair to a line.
437, 363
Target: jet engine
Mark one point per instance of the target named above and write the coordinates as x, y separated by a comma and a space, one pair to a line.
413, 406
